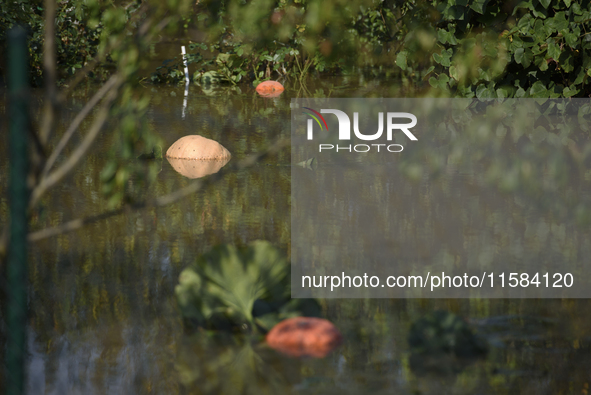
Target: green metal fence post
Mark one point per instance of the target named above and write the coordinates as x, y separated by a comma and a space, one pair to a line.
18, 88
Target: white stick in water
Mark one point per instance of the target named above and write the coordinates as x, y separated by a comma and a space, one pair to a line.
185, 64
186, 80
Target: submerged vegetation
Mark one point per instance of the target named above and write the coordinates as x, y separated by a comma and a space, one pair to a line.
243, 289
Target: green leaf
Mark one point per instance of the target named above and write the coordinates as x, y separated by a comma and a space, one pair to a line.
434, 82
523, 57
429, 71
524, 23
567, 61
570, 91
401, 60
553, 51
442, 36
571, 39
580, 77
541, 62
484, 92
540, 30
542, 14
559, 21
503, 93
479, 6
236, 286
453, 73
538, 89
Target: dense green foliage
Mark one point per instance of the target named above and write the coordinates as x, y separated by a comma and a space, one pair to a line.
482, 48
535, 48
463, 48
81, 28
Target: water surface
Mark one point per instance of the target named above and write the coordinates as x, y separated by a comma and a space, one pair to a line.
103, 312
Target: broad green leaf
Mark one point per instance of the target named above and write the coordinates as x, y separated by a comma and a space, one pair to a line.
567, 61
523, 56
560, 21
519, 55
434, 82
442, 36
541, 62
580, 77
570, 91
520, 93
401, 60
479, 5
235, 286
540, 30
453, 73
538, 89
553, 51
484, 92
571, 39
503, 93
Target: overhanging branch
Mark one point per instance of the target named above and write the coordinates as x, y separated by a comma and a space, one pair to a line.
47, 182
76, 123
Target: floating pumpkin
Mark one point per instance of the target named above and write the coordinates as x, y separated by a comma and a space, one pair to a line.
269, 89
196, 156
304, 337
196, 168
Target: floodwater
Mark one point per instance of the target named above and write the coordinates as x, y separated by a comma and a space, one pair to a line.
103, 314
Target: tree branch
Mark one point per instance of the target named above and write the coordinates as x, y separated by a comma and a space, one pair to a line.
53, 178
49, 72
162, 200
76, 123
78, 77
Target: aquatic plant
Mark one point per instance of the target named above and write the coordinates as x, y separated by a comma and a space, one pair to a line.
442, 332
240, 288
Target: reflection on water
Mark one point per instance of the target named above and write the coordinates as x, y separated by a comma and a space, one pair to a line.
104, 317
509, 202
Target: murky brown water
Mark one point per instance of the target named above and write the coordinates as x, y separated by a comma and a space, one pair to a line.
103, 311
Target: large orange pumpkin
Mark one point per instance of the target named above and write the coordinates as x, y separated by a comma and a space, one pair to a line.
304, 337
197, 147
196, 156
196, 168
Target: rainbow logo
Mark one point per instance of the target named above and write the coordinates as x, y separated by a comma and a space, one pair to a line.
316, 118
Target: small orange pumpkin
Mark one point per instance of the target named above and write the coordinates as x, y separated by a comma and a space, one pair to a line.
269, 89
304, 337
